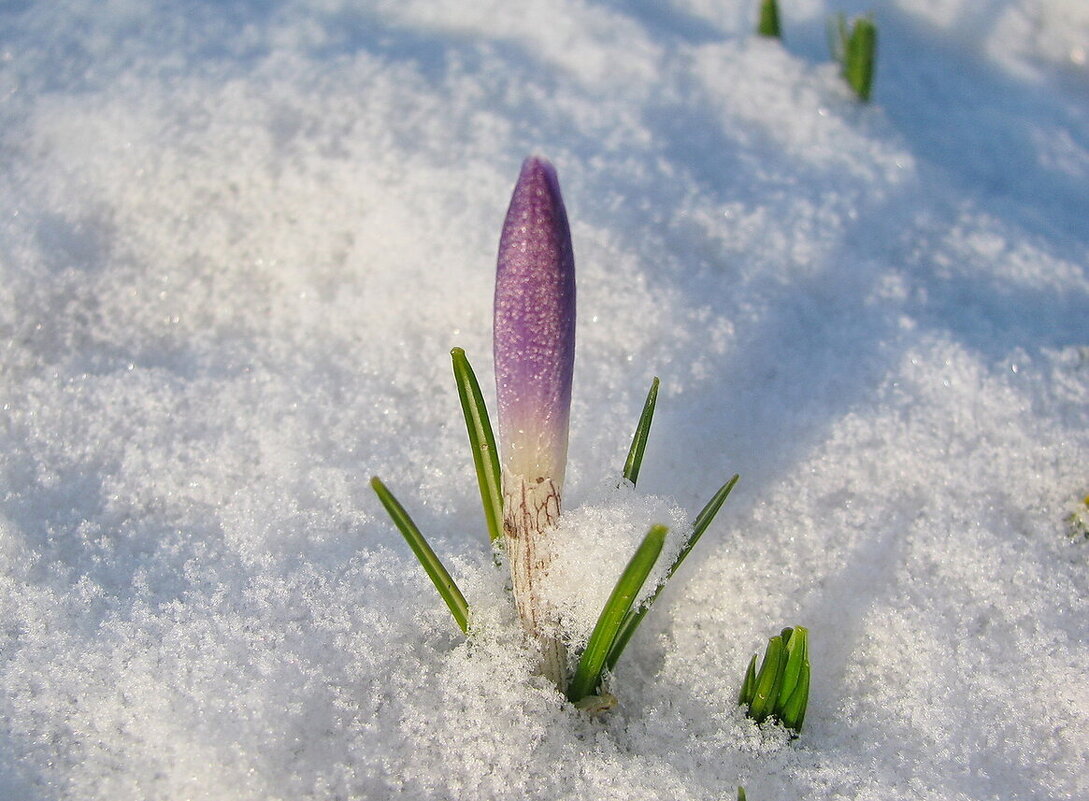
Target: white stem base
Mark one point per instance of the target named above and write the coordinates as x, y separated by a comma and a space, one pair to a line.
531, 509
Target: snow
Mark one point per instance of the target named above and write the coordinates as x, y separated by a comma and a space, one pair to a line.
237, 242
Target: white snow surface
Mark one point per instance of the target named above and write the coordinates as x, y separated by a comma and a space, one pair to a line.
237, 241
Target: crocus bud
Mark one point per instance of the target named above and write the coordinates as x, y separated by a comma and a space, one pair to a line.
535, 326
534, 361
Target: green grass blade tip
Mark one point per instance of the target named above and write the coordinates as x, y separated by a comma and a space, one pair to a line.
482, 440
704, 519
796, 655
859, 57
792, 713
769, 20
642, 432
748, 685
768, 681
434, 568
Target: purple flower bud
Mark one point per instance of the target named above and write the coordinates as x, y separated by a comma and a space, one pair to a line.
535, 327
534, 362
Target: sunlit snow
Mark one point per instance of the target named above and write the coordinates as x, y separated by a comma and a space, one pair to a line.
237, 242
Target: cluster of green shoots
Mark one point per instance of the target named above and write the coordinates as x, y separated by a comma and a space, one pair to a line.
620, 617
853, 44
780, 689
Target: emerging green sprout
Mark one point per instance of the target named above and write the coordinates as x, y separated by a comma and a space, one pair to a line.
855, 48
432, 565
769, 20
781, 687
521, 482
482, 442
592, 664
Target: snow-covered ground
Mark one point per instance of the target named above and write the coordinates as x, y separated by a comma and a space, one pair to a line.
237, 242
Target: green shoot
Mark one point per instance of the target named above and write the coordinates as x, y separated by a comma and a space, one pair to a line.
438, 574
595, 705
482, 441
635, 616
591, 665
781, 687
748, 685
705, 518
856, 50
740, 794
1078, 520
792, 711
769, 20
769, 681
642, 432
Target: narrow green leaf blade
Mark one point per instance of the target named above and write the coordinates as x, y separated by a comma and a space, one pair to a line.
627, 629
769, 20
642, 432
635, 616
704, 519
592, 662
748, 685
482, 441
768, 681
740, 794
793, 712
438, 573
796, 656
860, 55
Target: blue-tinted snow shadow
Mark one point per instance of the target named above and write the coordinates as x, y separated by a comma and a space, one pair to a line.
805, 352
982, 128
12, 784
667, 22
820, 349
983, 137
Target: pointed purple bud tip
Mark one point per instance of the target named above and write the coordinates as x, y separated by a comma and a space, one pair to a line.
535, 327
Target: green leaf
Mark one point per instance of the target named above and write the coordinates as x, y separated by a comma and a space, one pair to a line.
748, 685
792, 713
860, 54
482, 440
705, 518
768, 681
587, 676
796, 656
442, 579
794, 695
855, 48
740, 794
769, 20
635, 616
642, 431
